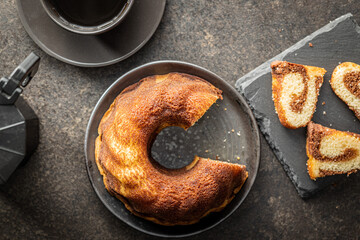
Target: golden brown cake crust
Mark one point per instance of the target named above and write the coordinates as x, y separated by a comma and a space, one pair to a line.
148, 190
315, 133
279, 70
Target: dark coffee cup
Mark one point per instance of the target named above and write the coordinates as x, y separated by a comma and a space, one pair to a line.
87, 16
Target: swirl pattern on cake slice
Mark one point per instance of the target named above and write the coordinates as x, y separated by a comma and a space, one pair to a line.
345, 82
295, 90
331, 151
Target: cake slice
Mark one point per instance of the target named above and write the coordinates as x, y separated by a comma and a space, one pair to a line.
331, 151
295, 90
345, 82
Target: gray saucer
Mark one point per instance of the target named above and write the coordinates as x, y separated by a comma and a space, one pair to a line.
227, 130
92, 50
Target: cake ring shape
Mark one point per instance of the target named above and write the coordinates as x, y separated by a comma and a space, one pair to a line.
295, 90
345, 82
331, 151
126, 132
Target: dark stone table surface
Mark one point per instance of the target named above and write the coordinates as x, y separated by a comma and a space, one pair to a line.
51, 196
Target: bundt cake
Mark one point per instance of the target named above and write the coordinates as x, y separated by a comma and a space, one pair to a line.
126, 133
295, 90
331, 151
345, 82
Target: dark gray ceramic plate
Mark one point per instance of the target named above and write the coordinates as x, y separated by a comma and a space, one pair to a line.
92, 50
228, 130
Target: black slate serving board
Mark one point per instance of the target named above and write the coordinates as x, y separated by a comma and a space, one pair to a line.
338, 41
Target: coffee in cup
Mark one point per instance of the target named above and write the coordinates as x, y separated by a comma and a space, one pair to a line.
87, 16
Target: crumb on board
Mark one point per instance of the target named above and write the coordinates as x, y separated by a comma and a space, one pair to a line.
225, 140
238, 133
206, 150
323, 103
225, 109
324, 112
330, 124
232, 130
310, 44
217, 157
238, 158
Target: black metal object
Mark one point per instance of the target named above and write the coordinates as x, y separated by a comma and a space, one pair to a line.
19, 126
